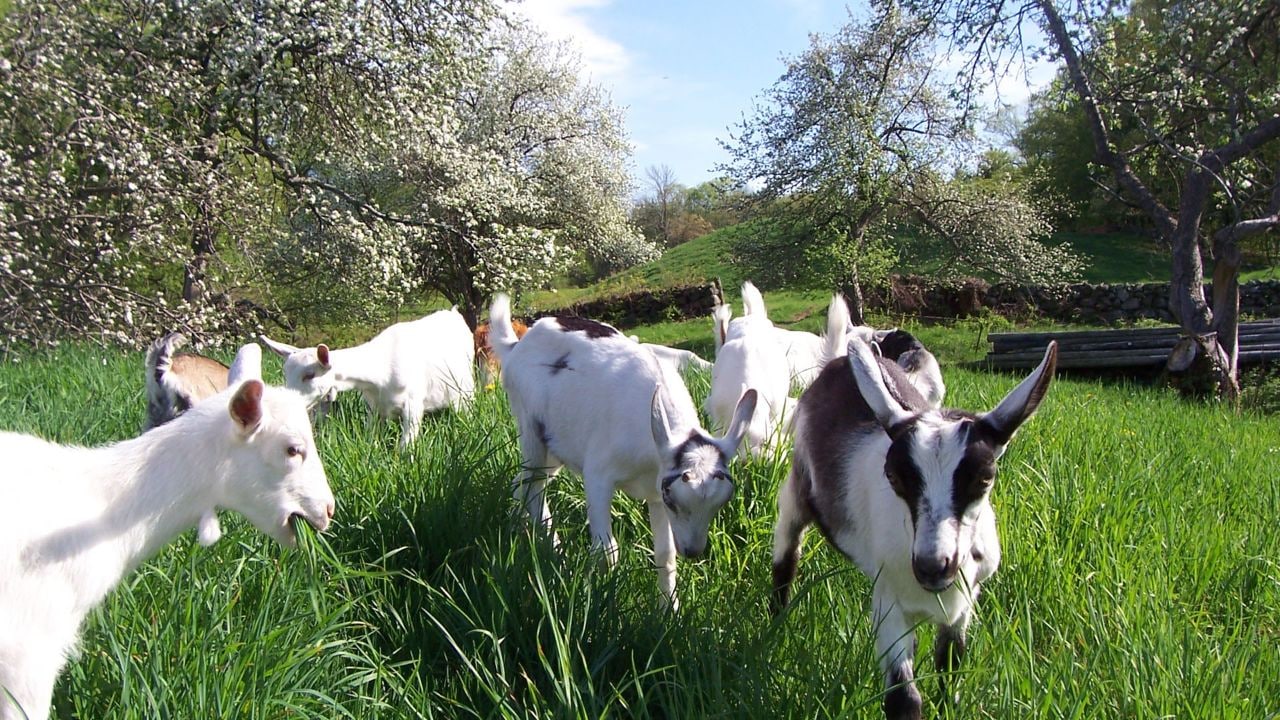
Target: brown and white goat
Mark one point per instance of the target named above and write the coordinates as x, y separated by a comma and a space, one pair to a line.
176, 381
902, 490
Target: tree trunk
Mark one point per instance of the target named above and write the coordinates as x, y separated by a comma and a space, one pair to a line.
852, 292
194, 286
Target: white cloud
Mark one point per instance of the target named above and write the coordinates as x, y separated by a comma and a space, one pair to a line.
603, 59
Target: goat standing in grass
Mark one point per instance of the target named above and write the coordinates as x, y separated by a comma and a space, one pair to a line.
586, 396
407, 369
903, 491
750, 358
176, 381
74, 521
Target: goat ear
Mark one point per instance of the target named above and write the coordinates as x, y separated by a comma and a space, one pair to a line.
246, 406
738, 425
322, 354
1022, 401
870, 379
659, 425
247, 365
282, 349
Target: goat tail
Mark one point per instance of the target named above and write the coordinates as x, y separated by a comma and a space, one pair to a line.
502, 333
752, 301
834, 344
158, 362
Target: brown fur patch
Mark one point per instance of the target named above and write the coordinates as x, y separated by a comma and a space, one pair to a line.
200, 376
484, 353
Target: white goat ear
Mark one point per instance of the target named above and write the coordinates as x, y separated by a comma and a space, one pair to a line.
658, 422
1022, 401
246, 406
282, 349
870, 380
738, 425
247, 365
322, 354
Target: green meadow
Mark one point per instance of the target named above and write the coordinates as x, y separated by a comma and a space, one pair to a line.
1140, 577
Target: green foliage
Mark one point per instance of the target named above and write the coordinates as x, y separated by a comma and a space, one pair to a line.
781, 250
1136, 580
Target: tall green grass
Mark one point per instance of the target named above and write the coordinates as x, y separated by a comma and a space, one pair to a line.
1140, 579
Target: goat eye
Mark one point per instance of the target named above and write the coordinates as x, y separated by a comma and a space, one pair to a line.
686, 476
308, 377
294, 450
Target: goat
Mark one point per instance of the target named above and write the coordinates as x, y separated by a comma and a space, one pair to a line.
903, 491
75, 520
486, 363
678, 359
176, 381
920, 365
585, 396
750, 358
721, 316
407, 369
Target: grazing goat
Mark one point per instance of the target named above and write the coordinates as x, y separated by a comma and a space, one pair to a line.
176, 381
920, 365
585, 396
486, 363
407, 370
804, 351
75, 520
751, 359
903, 491
677, 359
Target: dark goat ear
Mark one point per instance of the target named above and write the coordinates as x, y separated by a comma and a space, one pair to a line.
246, 406
1022, 401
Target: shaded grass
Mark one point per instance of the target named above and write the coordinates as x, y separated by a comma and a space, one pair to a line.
1139, 580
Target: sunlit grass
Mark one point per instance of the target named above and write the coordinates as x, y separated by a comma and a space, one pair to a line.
1140, 579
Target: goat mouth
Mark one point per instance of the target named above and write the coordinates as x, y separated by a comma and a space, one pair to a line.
938, 586
319, 525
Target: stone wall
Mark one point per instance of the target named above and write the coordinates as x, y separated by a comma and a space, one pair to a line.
1079, 302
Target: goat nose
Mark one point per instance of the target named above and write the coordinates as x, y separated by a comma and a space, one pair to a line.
934, 574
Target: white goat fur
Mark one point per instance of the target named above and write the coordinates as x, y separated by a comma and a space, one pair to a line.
677, 359
585, 396
75, 520
751, 359
883, 475
408, 369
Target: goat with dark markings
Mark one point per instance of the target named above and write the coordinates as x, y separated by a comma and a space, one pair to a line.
902, 490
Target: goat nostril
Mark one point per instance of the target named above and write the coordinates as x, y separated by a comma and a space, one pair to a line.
328, 509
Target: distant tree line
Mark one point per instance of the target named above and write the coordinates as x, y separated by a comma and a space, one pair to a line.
668, 213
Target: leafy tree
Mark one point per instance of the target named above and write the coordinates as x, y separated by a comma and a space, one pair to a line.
840, 141
1168, 89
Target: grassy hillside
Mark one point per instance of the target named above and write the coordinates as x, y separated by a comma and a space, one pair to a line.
1113, 258
1138, 580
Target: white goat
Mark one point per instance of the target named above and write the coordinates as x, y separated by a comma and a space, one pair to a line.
902, 490
408, 369
751, 358
678, 359
585, 396
75, 520
176, 381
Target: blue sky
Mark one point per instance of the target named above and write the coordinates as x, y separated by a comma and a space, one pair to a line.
685, 72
